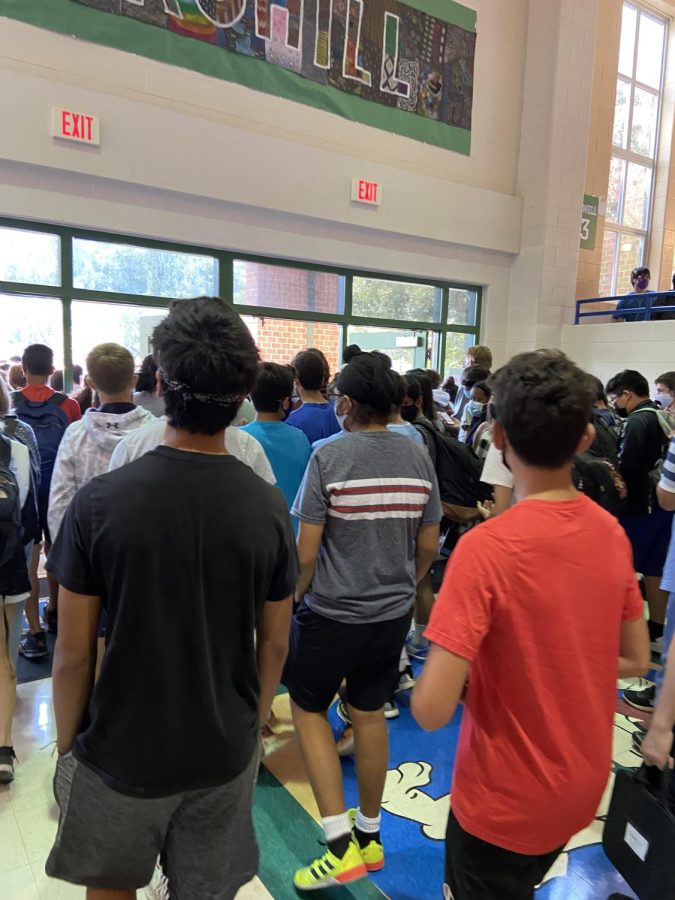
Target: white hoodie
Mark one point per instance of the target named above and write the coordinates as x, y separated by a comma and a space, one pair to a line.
85, 452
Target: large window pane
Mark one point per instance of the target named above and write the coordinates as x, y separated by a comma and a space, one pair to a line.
650, 51
377, 299
607, 265
617, 171
30, 320
99, 266
407, 349
97, 323
456, 346
280, 287
462, 307
636, 201
643, 129
621, 109
31, 257
627, 50
279, 340
631, 254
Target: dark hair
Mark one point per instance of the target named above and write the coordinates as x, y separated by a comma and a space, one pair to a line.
543, 401
208, 362
77, 374
484, 387
147, 375
311, 369
378, 354
428, 408
667, 379
412, 387
628, 380
451, 387
401, 391
38, 359
597, 389
474, 374
435, 378
350, 352
274, 383
56, 380
85, 398
638, 271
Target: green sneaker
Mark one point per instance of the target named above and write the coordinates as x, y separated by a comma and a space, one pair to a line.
373, 853
328, 870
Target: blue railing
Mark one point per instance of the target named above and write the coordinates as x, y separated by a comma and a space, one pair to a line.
647, 300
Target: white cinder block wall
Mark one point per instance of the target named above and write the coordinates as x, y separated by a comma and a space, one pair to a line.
605, 349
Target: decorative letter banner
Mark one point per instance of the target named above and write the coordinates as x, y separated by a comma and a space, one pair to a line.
404, 67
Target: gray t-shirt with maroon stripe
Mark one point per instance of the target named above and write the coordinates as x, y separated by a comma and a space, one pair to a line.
371, 491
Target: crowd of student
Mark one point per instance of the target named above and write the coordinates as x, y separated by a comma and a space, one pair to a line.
217, 561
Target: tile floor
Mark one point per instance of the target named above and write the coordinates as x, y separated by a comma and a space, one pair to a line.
28, 813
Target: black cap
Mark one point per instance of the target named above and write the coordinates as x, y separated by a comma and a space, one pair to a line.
367, 379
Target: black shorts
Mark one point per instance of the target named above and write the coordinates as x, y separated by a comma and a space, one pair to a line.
476, 870
323, 652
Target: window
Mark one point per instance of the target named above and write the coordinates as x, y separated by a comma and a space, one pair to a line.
634, 140
281, 287
30, 257
279, 340
118, 288
98, 323
373, 298
128, 269
30, 320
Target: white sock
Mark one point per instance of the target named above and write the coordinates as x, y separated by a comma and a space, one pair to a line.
404, 661
419, 640
336, 826
366, 825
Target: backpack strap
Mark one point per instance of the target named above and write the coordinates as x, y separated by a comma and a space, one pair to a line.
58, 398
5, 451
10, 422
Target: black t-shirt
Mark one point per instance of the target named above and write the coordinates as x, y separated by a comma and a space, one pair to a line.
184, 549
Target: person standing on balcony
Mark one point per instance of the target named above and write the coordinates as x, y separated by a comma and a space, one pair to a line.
639, 278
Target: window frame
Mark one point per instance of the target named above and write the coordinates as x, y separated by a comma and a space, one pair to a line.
629, 156
67, 293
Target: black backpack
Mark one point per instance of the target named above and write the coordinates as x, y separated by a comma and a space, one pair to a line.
458, 469
11, 532
606, 443
601, 481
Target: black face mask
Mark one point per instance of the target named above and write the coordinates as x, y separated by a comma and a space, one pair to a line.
409, 413
621, 412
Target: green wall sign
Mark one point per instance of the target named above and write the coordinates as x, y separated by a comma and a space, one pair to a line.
589, 222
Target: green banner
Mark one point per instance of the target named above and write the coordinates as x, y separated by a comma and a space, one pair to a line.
589, 222
403, 67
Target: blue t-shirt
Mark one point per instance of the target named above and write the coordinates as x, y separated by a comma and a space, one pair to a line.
288, 451
409, 431
630, 301
328, 440
317, 420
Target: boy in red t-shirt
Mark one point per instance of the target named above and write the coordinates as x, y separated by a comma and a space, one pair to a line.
540, 596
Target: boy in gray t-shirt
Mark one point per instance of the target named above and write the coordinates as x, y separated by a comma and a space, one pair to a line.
369, 513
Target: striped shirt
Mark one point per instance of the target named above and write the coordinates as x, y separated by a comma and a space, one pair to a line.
667, 482
371, 491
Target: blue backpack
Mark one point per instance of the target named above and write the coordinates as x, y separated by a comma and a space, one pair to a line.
49, 421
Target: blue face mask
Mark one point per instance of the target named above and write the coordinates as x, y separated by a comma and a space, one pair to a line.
467, 392
475, 407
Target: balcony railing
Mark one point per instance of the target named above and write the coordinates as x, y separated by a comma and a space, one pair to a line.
652, 306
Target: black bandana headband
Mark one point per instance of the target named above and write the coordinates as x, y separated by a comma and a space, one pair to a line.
189, 394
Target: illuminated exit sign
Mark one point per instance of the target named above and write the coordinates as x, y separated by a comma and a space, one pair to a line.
69, 125
369, 192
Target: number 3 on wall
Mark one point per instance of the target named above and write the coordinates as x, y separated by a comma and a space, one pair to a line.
585, 229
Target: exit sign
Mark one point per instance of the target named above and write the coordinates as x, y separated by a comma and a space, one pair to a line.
369, 192
69, 125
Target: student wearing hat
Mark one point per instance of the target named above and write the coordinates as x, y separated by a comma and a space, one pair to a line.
369, 514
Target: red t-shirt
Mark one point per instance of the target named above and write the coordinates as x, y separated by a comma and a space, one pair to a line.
534, 599
38, 393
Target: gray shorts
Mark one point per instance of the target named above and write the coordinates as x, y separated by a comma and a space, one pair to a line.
109, 840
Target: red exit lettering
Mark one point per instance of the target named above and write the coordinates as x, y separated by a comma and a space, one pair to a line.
366, 191
74, 126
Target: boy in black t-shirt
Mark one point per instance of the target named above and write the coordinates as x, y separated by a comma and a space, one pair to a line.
167, 743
